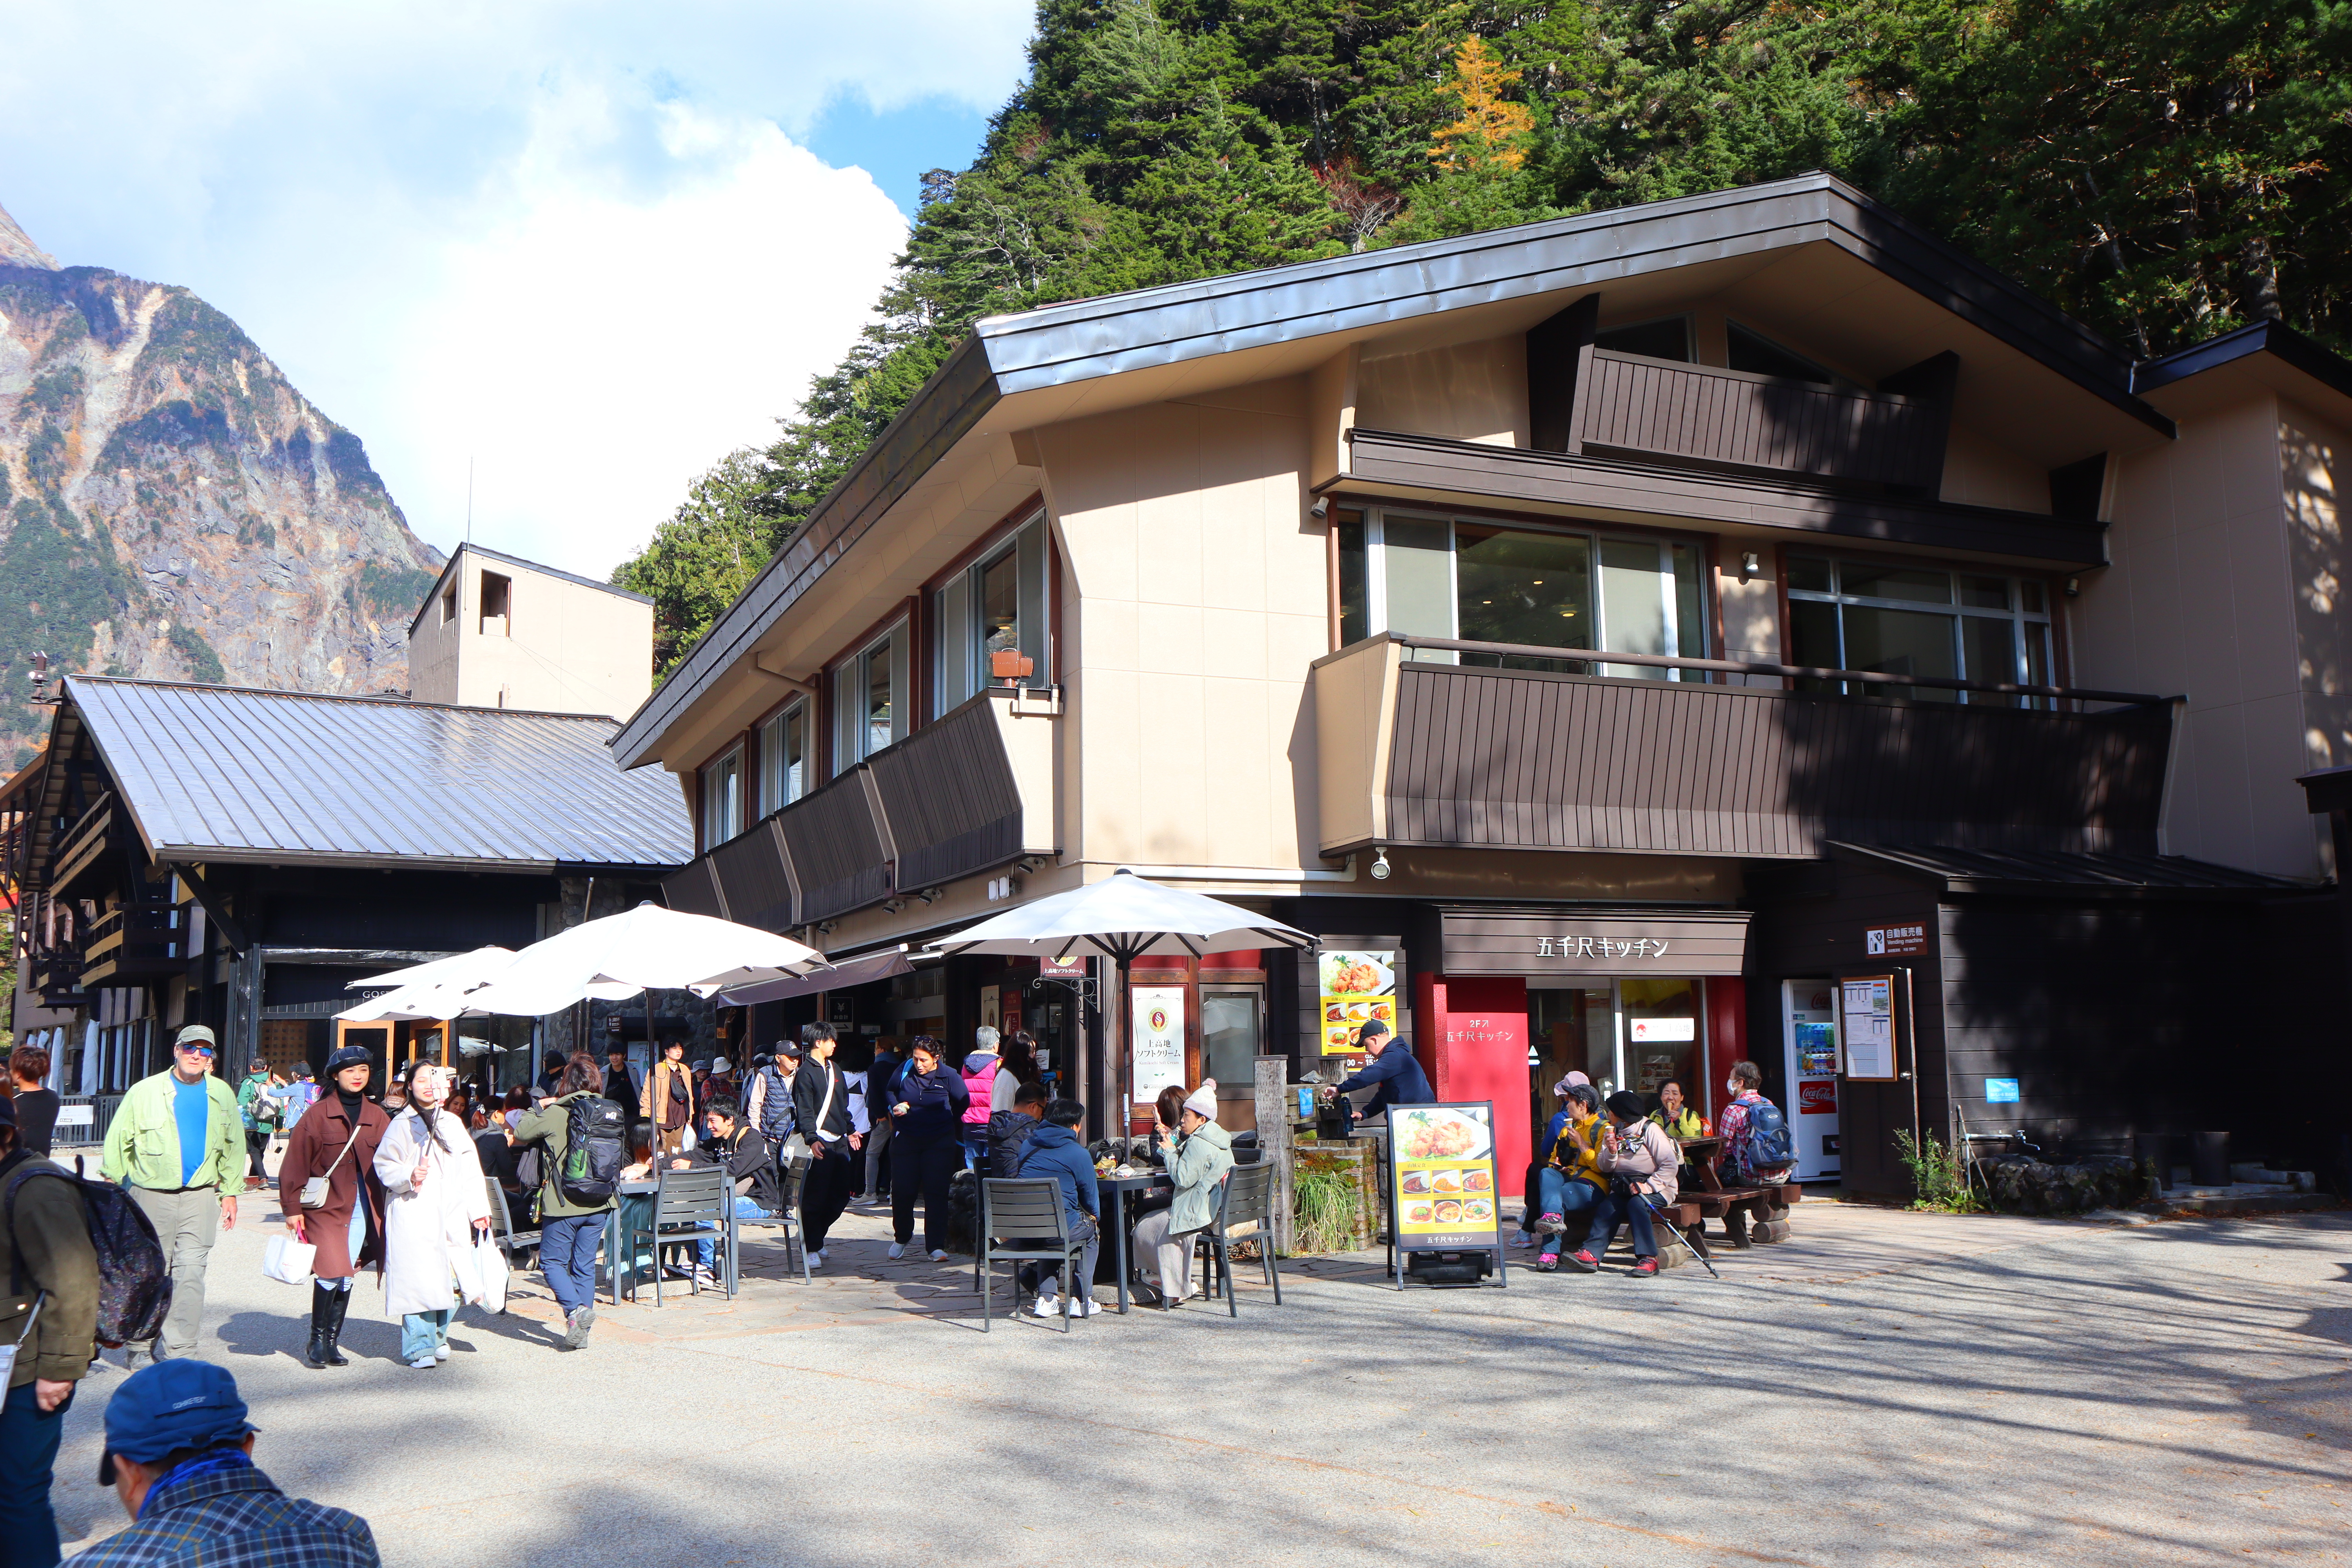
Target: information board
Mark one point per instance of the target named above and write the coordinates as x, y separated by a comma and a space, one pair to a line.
1356, 985
1442, 1181
1159, 1037
1866, 1028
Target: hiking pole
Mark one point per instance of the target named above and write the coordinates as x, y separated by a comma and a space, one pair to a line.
1675, 1231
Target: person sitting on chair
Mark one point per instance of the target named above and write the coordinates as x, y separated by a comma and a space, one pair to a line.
737, 1147
1054, 1150
1197, 1168
1570, 1185
1639, 1161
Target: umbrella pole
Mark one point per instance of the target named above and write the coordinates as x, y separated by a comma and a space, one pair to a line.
1126, 1076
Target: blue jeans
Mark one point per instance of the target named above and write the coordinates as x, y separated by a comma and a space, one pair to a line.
421, 1333
1614, 1210
567, 1256
707, 1252
28, 1454
1564, 1195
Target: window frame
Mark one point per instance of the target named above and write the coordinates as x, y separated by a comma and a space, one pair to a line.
2017, 615
956, 619
852, 720
1375, 518
728, 763
775, 793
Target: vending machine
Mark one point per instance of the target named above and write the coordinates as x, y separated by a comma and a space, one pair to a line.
1808, 1009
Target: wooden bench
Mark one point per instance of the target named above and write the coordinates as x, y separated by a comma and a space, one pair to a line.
1749, 1214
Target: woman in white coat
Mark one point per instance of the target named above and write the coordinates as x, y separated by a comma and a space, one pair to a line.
435, 1205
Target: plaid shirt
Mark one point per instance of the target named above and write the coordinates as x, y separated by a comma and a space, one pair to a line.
236, 1518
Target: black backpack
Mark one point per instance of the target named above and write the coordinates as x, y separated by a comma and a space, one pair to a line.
134, 1277
596, 1147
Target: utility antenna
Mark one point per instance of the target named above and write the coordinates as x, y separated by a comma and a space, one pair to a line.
469, 498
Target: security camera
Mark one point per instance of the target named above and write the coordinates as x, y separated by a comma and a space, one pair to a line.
1380, 866
1321, 509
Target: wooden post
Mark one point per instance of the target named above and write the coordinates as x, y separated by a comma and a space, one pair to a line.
1274, 1118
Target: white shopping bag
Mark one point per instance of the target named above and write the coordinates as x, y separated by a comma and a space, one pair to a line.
491, 1262
288, 1259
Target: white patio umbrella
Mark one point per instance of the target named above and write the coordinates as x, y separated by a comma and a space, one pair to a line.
1122, 917
646, 949
409, 1004
462, 970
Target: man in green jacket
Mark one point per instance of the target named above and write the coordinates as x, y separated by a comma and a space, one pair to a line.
177, 1146
48, 1241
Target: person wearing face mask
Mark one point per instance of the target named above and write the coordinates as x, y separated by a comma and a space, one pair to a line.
437, 1205
1757, 1149
337, 1139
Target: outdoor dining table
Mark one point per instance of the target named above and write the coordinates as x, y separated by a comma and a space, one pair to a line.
1114, 1191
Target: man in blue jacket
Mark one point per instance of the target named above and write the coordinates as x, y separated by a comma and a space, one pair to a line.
1392, 1068
1054, 1150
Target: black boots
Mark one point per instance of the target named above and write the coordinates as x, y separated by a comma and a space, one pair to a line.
327, 1309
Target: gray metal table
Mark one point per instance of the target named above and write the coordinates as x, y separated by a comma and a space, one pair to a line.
1115, 1189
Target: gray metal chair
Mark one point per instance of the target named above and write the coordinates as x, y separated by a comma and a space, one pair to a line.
787, 1220
1013, 1209
690, 1206
511, 1242
1244, 1212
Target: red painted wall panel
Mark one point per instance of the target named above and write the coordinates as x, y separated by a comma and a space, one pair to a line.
1475, 1047
1726, 1037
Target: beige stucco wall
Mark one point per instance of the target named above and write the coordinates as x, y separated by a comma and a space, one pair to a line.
568, 647
1194, 601
1980, 472
1470, 392
2202, 600
2315, 464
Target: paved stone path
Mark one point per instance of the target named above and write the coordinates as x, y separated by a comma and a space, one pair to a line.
1884, 1388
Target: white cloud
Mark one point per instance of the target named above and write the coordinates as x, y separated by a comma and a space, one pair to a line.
576, 240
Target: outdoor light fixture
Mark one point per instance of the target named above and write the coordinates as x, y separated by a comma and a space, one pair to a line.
932, 895
1030, 862
2074, 586
1321, 509
1748, 565
1380, 866
892, 906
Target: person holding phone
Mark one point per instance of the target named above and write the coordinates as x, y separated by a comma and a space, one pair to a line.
927, 1122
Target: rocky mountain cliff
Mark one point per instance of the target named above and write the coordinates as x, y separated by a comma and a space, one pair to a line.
171, 506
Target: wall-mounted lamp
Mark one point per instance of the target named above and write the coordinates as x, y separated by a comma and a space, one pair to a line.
1380, 866
892, 906
932, 895
2074, 587
1749, 567
1321, 509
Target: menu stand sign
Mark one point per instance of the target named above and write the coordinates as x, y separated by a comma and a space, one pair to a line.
1442, 1190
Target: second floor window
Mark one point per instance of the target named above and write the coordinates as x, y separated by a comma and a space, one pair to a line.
1482, 582
869, 698
783, 758
1917, 620
722, 799
1001, 604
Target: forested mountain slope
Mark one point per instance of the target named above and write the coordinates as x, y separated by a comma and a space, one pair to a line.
2164, 169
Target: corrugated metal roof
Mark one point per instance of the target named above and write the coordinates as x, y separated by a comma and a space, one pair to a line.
225, 773
2119, 872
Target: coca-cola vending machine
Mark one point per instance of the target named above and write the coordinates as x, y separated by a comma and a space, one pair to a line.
1808, 1009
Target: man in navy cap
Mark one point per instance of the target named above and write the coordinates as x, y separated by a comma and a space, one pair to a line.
179, 1453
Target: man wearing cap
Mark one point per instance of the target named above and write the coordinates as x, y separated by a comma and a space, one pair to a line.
177, 1146
1392, 1068
45, 1241
179, 1453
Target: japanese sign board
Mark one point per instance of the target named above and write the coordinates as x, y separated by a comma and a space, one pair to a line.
1064, 968
1866, 1011
1894, 941
2001, 1091
1441, 1176
1159, 1037
1354, 986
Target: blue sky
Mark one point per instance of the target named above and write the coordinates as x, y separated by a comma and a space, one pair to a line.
586, 245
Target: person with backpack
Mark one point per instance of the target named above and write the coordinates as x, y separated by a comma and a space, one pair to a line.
327, 1188
981, 1068
49, 1274
580, 1137
259, 1114
177, 1144
1639, 1162
1758, 1148
436, 1205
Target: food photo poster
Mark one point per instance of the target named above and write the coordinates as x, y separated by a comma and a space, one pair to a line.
1357, 985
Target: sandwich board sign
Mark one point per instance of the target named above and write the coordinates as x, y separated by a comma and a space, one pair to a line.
1442, 1190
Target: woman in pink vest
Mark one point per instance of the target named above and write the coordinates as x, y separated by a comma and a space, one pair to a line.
979, 1070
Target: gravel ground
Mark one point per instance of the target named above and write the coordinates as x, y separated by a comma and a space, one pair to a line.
2036, 1393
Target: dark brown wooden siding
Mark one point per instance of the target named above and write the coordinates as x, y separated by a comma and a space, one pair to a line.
691, 889
1729, 418
1518, 759
837, 846
949, 794
752, 875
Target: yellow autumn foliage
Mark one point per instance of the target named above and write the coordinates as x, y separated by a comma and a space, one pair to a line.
1493, 129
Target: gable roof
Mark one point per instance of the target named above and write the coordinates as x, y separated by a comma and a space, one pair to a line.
219, 774
470, 548
1115, 335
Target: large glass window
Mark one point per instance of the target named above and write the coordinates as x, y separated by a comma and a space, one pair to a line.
1355, 603
870, 700
722, 799
1484, 581
1913, 620
1000, 606
783, 758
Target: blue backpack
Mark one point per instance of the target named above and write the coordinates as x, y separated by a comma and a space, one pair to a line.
1770, 1141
